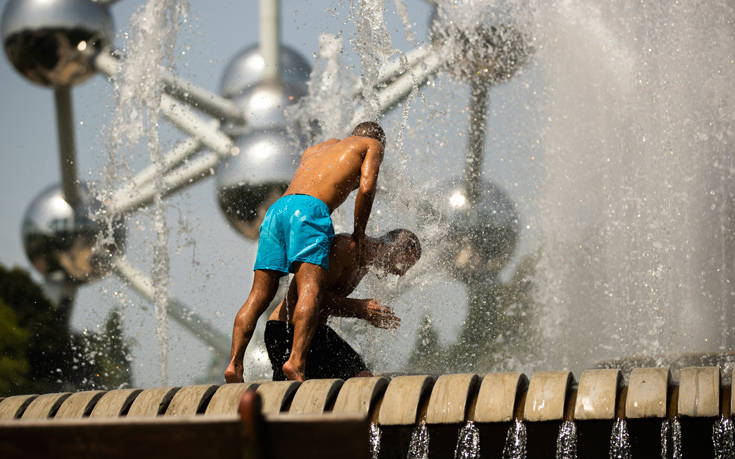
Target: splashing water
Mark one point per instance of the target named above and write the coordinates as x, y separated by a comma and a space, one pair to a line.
374, 46
676, 439
330, 86
665, 434
405, 19
566, 441
418, 448
515, 441
671, 435
635, 193
375, 436
722, 438
620, 441
468, 442
637, 208
150, 42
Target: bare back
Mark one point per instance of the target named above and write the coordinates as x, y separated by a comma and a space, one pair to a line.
331, 170
342, 277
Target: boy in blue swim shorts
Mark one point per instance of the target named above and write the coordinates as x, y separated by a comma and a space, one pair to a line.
296, 237
296, 228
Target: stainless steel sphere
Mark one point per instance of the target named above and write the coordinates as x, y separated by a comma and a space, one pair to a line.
479, 238
264, 103
246, 70
492, 53
247, 184
68, 244
46, 40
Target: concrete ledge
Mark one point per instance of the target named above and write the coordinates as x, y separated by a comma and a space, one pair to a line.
79, 404
358, 395
597, 395
496, 400
191, 400
314, 396
114, 403
13, 407
227, 398
400, 405
647, 393
152, 402
450, 398
45, 406
276, 395
547, 395
699, 392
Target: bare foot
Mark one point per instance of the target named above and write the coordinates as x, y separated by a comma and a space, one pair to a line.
291, 373
233, 373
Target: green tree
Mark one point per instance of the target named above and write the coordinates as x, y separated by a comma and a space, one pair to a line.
13, 341
40, 353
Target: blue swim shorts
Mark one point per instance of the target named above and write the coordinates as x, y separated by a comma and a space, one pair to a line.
296, 228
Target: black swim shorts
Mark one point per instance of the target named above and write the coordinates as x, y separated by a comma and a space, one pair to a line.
329, 356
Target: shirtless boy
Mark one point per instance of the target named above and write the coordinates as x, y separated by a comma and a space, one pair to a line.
329, 356
296, 237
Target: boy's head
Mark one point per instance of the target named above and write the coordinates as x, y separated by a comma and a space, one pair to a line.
370, 129
400, 249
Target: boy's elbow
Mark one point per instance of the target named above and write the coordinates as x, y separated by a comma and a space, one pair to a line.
368, 187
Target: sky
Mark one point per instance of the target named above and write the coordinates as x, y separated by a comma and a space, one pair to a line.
211, 265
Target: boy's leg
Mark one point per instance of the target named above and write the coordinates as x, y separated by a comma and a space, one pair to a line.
265, 286
309, 279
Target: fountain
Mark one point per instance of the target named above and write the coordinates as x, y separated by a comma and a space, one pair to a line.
619, 245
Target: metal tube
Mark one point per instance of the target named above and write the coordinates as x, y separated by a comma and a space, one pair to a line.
184, 119
180, 153
394, 68
402, 86
206, 101
178, 311
67, 148
479, 92
195, 170
270, 38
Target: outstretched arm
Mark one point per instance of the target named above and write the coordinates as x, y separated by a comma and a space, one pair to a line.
367, 309
368, 185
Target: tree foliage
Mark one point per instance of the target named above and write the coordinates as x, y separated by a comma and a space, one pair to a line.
40, 354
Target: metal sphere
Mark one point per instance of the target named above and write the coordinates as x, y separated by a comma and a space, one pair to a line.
68, 244
480, 238
492, 53
48, 40
246, 70
248, 183
264, 104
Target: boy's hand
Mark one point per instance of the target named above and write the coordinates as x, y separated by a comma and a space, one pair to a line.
381, 316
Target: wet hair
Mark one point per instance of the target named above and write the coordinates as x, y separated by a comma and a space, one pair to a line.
406, 237
370, 129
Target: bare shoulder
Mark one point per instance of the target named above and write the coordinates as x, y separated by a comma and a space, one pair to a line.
363, 143
319, 146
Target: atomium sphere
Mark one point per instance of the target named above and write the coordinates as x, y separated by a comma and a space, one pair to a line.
492, 53
248, 183
68, 244
264, 103
48, 40
479, 238
246, 70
